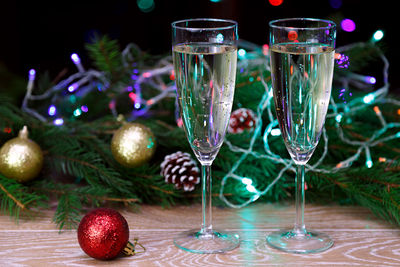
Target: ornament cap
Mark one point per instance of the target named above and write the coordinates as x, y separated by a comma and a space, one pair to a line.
121, 119
23, 133
130, 249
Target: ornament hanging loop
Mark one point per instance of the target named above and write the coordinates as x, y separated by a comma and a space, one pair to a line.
130, 248
23, 133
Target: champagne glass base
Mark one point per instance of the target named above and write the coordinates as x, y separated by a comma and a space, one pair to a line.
300, 243
206, 243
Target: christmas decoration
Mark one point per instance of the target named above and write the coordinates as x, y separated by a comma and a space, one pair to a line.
133, 144
181, 170
241, 119
21, 158
357, 158
103, 234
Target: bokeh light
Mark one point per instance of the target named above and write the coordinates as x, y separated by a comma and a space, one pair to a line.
265, 49
343, 61
275, 2
145, 5
292, 35
241, 53
220, 38
348, 25
335, 3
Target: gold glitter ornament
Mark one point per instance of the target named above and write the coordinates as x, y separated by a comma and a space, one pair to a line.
133, 144
21, 159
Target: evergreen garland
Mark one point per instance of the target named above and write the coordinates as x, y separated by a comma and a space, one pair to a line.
80, 172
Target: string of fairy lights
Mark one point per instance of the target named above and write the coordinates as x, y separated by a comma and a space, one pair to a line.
251, 56
337, 111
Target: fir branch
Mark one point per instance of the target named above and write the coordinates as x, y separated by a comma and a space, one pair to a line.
105, 54
17, 198
68, 211
19, 204
375, 188
88, 194
76, 156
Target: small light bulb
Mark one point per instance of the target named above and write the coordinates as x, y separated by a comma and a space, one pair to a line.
276, 132
369, 163
251, 188
370, 79
339, 117
368, 99
378, 35
75, 58
73, 87
247, 181
52, 110
77, 112
241, 53
220, 38
84, 108
32, 74
58, 122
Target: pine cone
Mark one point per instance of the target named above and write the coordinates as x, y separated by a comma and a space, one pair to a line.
181, 170
241, 119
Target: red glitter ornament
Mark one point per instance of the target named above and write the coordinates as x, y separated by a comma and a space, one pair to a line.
241, 119
103, 234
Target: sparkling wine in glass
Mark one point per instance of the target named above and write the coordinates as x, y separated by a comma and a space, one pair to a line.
204, 54
302, 59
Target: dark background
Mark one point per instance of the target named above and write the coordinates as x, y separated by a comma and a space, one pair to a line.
42, 35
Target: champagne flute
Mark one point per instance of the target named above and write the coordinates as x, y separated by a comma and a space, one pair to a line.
204, 55
302, 59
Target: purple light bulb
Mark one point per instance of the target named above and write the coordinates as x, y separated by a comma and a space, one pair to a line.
32, 74
73, 87
75, 58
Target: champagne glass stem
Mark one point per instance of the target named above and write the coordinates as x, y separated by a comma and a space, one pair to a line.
206, 226
299, 227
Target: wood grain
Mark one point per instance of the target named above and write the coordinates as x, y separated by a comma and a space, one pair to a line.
360, 238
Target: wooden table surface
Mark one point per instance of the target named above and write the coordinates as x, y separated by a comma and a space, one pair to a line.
360, 238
